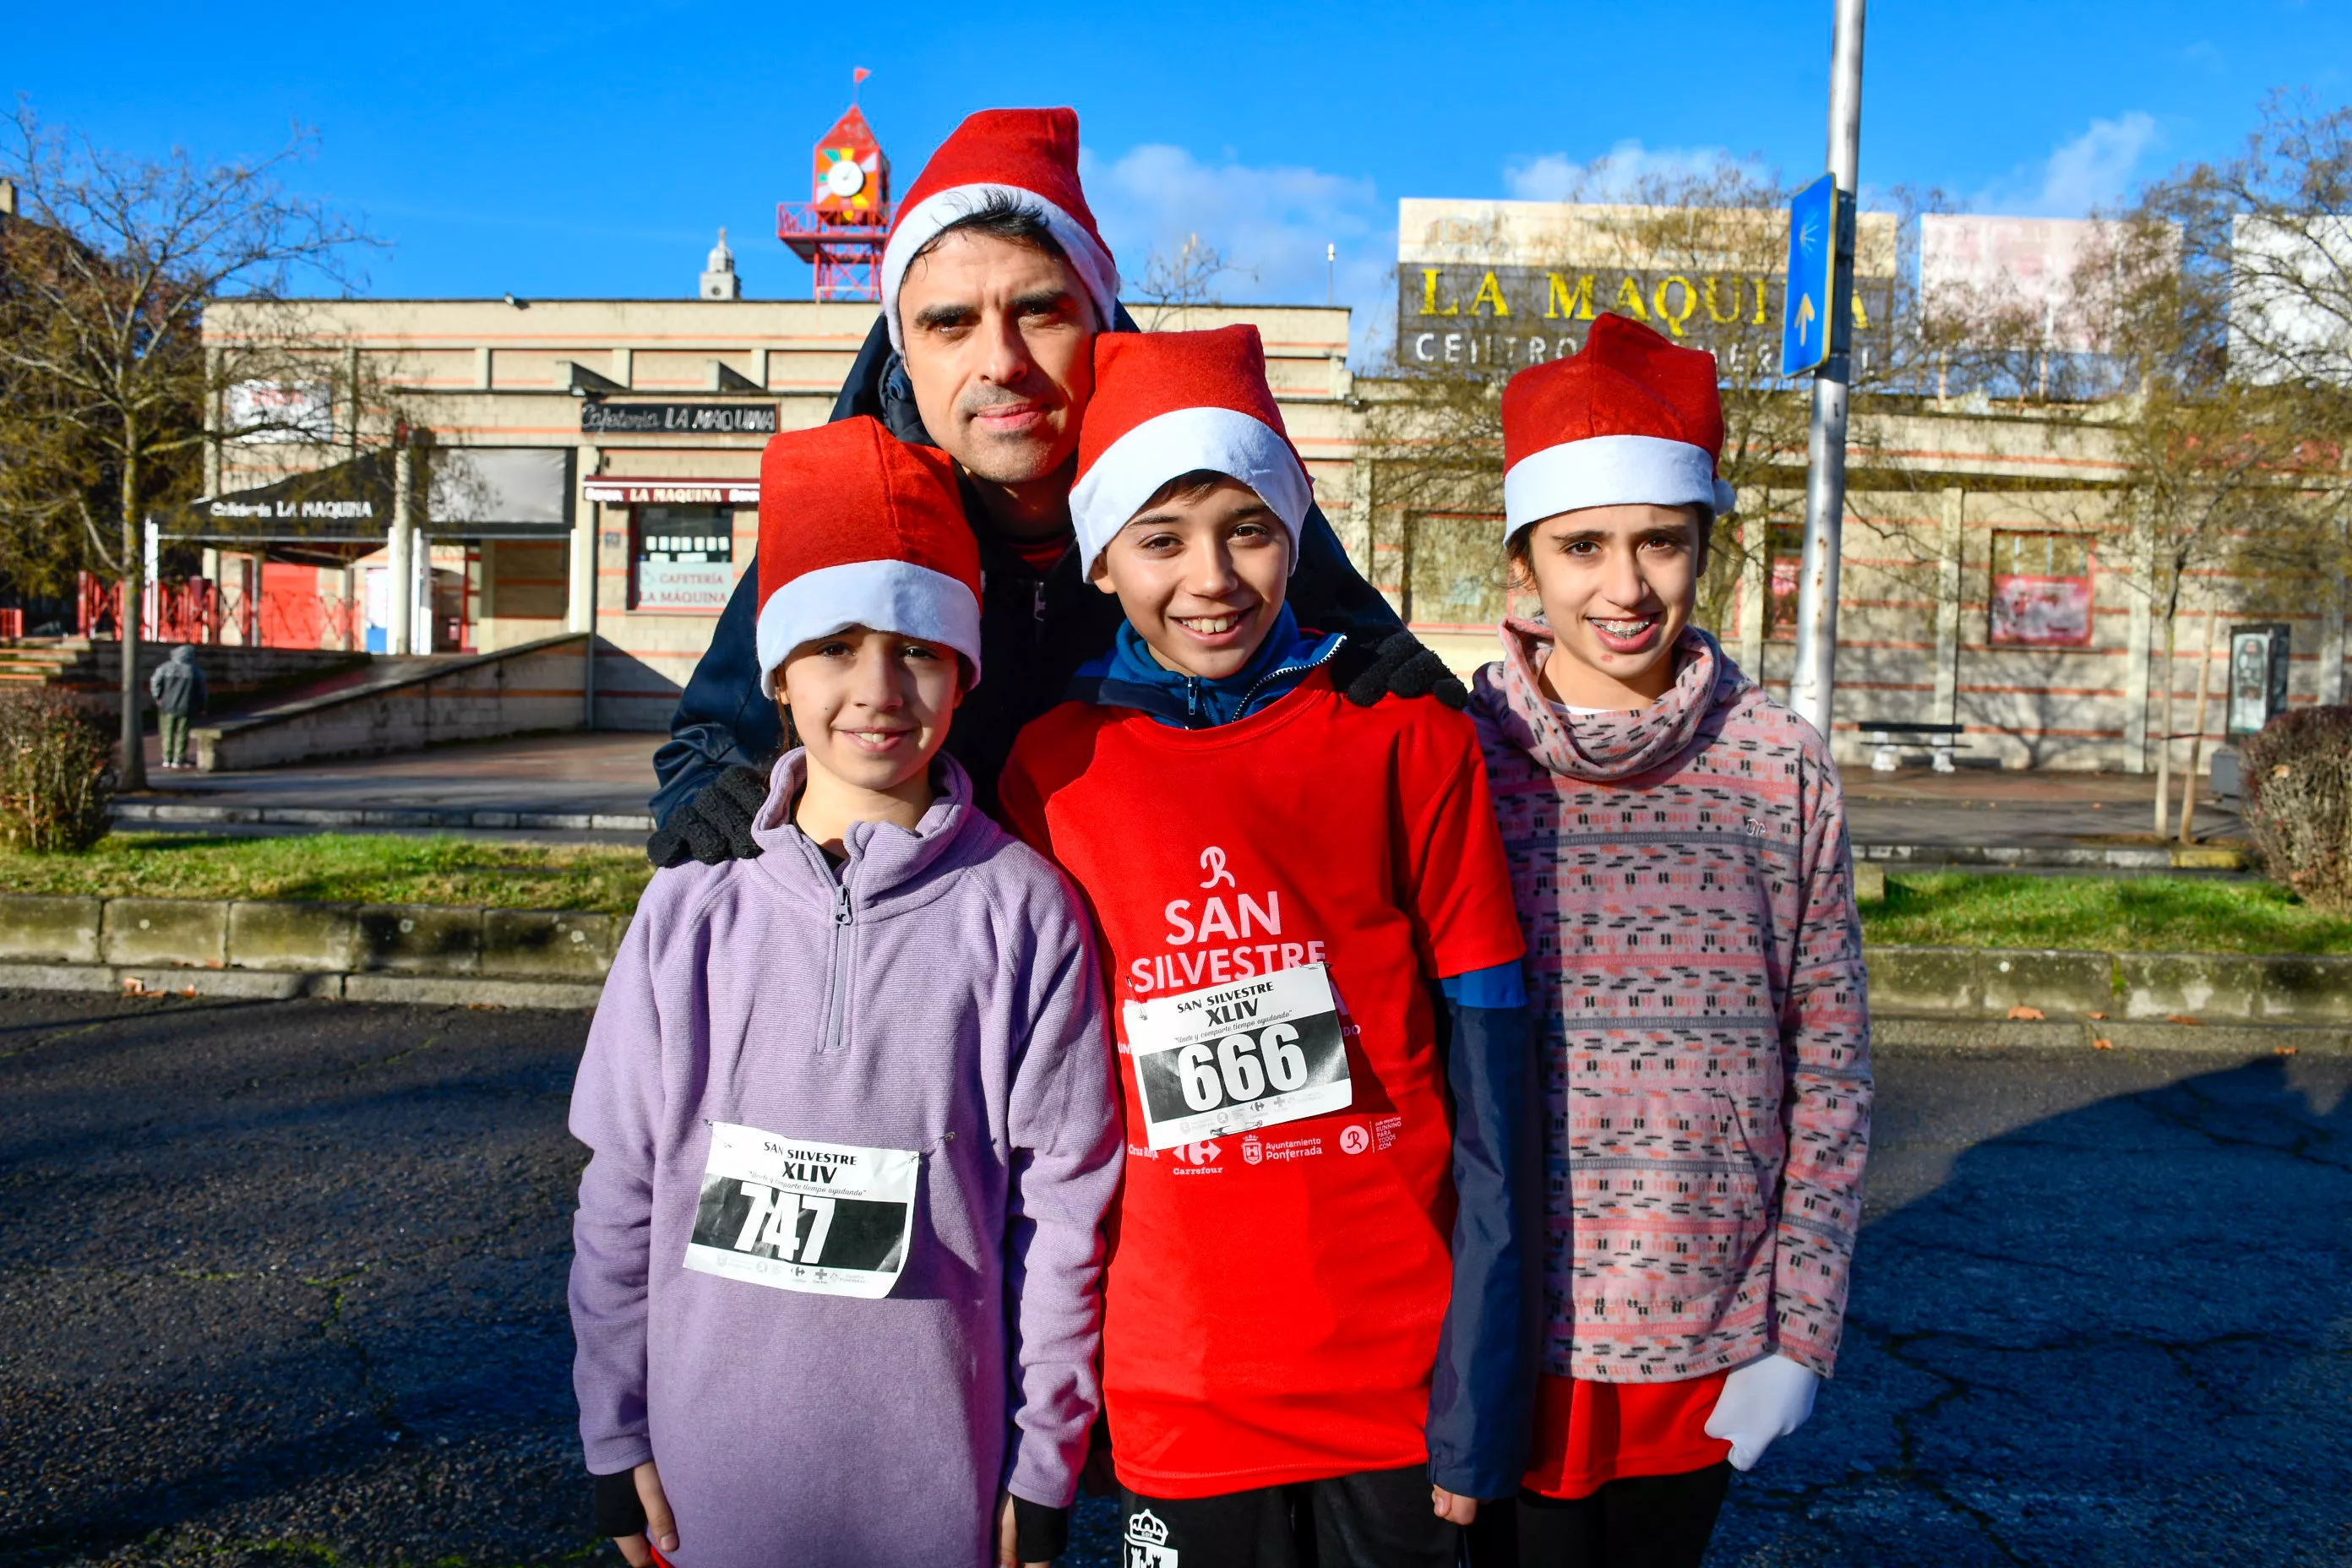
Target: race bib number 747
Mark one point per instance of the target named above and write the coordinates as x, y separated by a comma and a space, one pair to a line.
1230, 1058
831, 1220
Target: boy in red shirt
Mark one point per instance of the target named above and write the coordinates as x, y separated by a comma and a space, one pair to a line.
1318, 1339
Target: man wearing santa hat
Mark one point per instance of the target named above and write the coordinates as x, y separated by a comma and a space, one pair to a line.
994, 284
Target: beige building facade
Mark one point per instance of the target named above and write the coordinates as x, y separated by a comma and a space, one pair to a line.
618, 443
655, 413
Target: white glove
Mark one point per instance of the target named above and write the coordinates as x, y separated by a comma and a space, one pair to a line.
1765, 1400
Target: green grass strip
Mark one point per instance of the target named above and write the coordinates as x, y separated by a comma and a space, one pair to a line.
357, 868
1948, 909
2101, 914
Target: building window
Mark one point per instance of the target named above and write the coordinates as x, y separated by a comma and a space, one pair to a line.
2040, 590
685, 558
1784, 563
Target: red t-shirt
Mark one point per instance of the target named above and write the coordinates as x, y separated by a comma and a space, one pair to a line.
1273, 1301
1588, 1434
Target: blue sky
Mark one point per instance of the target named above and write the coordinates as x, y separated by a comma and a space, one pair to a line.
570, 150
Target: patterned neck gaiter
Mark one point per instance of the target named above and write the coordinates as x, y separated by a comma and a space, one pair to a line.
1603, 747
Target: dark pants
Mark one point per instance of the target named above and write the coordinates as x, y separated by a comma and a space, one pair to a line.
1640, 1521
175, 737
1376, 1518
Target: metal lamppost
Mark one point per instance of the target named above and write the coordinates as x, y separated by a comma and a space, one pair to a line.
1812, 686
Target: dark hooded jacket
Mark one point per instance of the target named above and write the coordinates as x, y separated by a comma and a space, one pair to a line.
178, 686
1035, 631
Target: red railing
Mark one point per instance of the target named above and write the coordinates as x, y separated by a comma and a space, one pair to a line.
96, 600
197, 610
11, 623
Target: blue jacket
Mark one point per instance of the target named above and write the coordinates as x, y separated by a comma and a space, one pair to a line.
1481, 1398
1036, 632
1128, 677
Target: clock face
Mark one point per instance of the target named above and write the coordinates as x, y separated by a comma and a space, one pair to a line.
844, 179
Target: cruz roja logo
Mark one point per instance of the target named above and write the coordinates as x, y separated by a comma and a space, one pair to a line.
1147, 1542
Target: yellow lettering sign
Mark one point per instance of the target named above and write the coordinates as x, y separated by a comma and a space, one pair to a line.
1759, 302
1429, 294
1577, 307
1489, 293
1722, 318
1666, 312
1861, 316
1629, 300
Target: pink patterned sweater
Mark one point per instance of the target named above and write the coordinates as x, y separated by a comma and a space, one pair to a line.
1685, 884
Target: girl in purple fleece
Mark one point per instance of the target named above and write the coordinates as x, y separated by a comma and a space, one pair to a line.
849, 1104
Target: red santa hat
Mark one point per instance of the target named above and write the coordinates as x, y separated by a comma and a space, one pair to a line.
859, 529
1630, 417
1167, 404
1029, 156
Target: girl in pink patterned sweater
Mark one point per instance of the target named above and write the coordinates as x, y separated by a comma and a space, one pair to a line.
1677, 844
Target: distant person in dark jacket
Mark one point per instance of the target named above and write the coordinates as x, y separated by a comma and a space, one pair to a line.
178, 687
994, 285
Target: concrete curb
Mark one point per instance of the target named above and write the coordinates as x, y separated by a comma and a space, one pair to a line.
187, 937
261, 984
2138, 987
167, 813
416, 952
2114, 858
1899, 1032
1889, 1033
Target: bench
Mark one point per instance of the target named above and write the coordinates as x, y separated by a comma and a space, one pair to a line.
1886, 737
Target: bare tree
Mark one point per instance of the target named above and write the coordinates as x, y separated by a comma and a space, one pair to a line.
1706, 246
2268, 248
1171, 283
103, 372
2203, 459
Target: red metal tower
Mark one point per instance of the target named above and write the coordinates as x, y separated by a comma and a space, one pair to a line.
841, 230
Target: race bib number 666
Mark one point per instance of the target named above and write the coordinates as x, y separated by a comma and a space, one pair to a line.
1231, 1057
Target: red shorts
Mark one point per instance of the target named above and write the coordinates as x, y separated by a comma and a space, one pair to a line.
1588, 1434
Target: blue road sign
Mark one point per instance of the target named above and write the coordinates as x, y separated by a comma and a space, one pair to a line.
1805, 326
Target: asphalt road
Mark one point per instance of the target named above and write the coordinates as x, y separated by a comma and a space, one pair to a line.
284, 1282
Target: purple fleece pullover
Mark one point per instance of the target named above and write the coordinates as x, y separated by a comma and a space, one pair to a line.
941, 997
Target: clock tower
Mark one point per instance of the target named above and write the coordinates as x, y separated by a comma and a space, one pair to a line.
840, 229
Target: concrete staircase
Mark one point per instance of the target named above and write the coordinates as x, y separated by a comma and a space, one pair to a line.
69, 662
235, 678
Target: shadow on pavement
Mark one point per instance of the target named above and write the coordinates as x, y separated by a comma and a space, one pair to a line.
2117, 1334
287, 1281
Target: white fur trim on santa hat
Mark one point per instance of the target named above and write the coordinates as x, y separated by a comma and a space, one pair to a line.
883, 595
919, 226
1168, 445
1611, 471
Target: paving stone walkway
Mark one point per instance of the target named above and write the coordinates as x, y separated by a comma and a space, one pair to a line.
596, 786
282, 1283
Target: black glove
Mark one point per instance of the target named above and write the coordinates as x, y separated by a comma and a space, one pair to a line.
716, 824
613, 1506
1040, 1533
1398, 666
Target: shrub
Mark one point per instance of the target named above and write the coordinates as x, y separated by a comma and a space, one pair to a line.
57, 773
2298, 786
